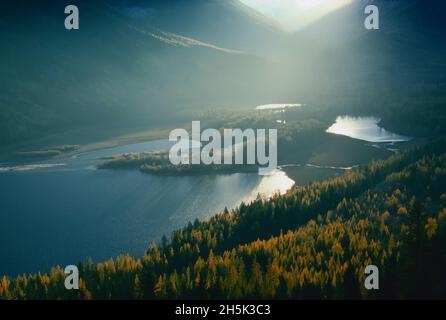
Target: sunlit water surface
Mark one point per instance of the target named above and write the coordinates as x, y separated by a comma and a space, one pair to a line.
63, 211
364, 128
279, 106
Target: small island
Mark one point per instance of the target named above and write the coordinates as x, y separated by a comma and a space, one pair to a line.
159, 163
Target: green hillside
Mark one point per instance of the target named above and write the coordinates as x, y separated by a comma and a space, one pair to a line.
313, 242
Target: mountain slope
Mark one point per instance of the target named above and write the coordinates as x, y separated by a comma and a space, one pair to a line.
121, 69
312, 243
227, 23
113, 72
397, 72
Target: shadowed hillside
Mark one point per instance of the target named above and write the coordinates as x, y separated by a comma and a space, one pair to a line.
125, 68
312, 243
113, 72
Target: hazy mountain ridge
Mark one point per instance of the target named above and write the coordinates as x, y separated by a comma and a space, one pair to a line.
404, 57
127, 67
112, 72
225, 23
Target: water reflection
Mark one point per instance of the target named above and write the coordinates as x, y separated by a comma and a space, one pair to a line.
278, 182
279, 106
64, 214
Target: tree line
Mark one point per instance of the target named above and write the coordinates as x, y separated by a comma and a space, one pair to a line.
313, 242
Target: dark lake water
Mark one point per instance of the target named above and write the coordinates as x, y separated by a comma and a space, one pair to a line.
62, 211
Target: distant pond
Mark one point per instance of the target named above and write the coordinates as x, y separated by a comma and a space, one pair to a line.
364, 128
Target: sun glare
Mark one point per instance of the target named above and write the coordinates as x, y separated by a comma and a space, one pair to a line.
295, 14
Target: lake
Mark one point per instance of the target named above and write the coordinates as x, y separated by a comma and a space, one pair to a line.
279, 106
364, 128
61, 211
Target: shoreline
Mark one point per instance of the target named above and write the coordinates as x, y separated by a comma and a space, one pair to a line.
12, 157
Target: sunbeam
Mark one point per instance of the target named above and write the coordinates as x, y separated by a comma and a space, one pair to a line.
295, 14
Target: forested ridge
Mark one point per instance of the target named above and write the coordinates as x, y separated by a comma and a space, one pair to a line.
313, 242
